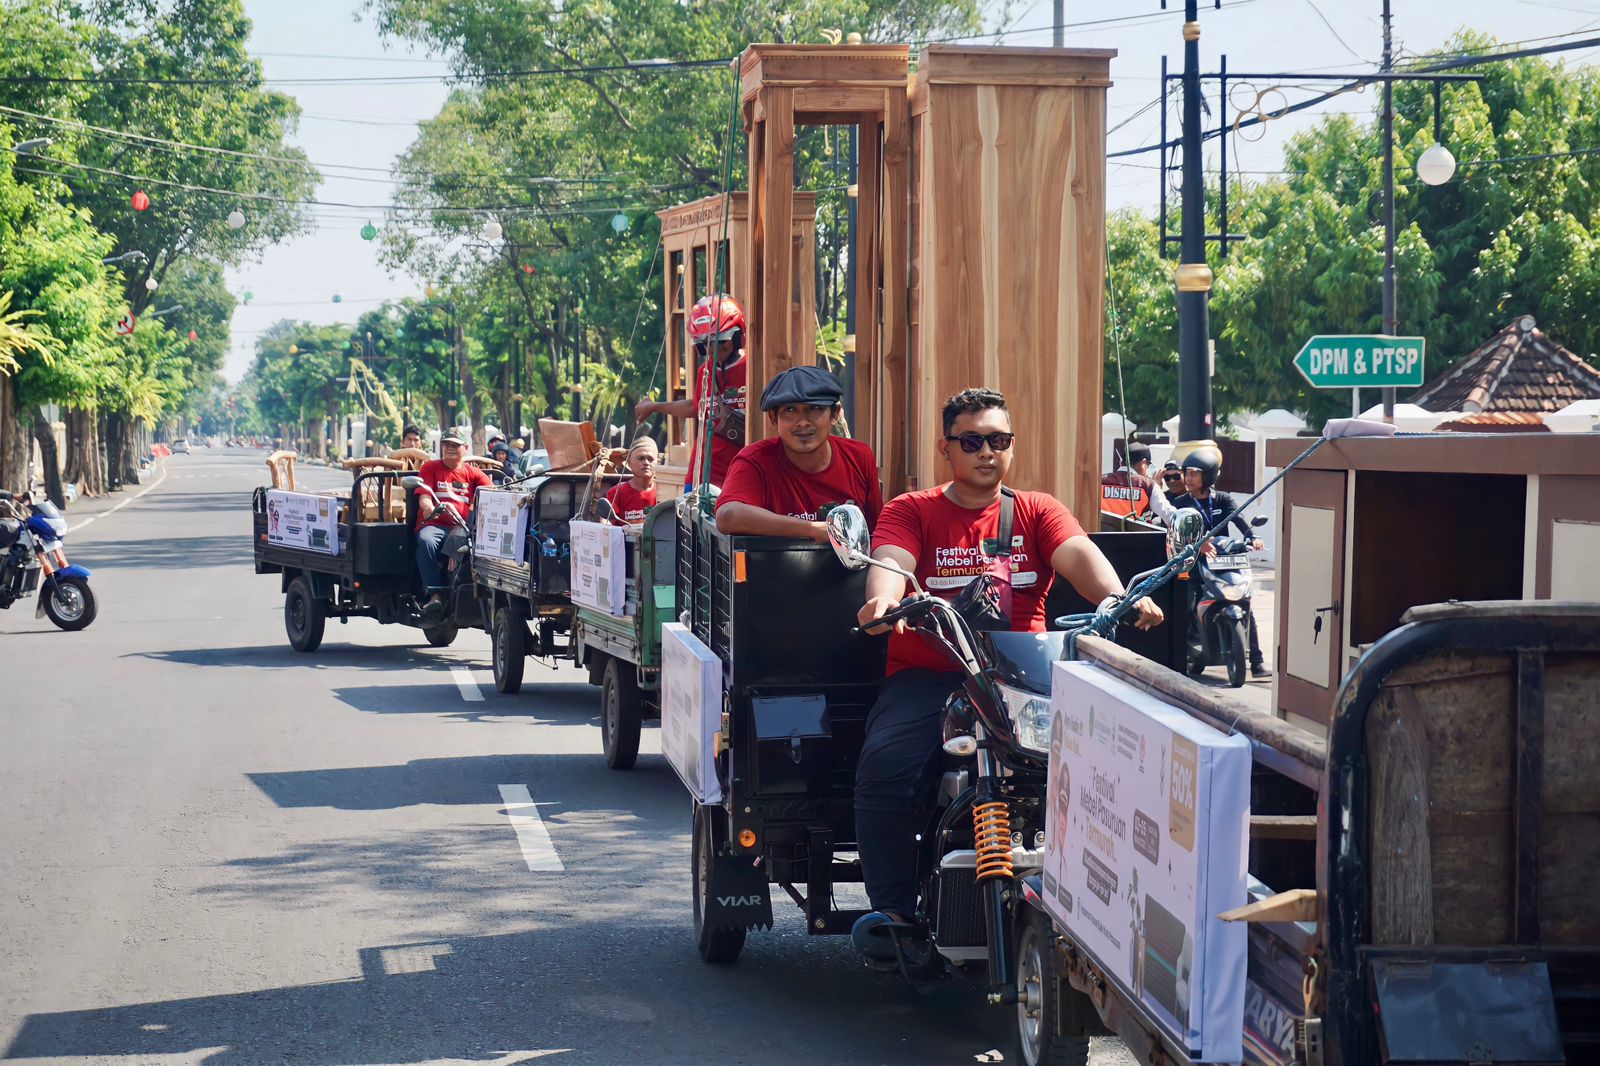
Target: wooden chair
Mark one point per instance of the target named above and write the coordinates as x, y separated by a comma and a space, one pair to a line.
371, 494
281, 466
413, 458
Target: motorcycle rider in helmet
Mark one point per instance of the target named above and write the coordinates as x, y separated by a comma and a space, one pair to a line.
1201, 468
717, 327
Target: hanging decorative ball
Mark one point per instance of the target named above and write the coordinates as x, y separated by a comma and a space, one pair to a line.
1436, 166
338, 299
368, 232
151, 284
619, 222
236, 219
527, 268
193, 335
248, 296
294, 349
492, 230
140, 200
430, 290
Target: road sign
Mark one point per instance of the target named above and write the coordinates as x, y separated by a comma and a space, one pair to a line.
1364, 362
125, 325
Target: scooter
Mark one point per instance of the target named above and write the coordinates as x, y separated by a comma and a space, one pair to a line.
31, 534
1219, 608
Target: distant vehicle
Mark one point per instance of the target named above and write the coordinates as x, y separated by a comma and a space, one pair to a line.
180, 447
535, 461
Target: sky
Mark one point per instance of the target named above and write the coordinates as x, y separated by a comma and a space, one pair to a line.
353, 125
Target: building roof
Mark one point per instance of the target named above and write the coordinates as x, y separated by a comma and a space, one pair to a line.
1496, 422
1519, 369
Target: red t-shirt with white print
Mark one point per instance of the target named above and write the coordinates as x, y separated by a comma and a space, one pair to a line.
954, 544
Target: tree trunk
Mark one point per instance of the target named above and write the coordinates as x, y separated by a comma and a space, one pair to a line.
49, 460
319, 439
83, 467
15, 447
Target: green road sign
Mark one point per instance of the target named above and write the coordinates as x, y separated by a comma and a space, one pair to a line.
1361, 362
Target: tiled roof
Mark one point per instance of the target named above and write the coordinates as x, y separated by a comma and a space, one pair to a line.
1496, 422
1519, 369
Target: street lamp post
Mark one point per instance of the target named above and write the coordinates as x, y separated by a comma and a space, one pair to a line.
1193, 275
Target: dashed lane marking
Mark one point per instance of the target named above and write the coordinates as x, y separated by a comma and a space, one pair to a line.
469, 687
124, 503
534, 839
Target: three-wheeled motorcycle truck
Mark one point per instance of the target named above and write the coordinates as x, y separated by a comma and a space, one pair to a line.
371, 571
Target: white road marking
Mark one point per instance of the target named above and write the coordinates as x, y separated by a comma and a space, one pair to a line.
464, 681
124, 503
537, 850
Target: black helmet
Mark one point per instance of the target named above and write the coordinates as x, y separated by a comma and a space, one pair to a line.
1208, 465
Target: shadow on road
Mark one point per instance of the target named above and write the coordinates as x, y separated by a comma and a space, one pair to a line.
177, 553
541, 704
281, 656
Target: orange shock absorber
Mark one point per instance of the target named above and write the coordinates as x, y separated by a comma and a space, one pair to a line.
992, 823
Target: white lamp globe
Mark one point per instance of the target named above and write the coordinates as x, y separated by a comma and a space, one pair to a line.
1436, 165
236, 219
492, 230
150, 284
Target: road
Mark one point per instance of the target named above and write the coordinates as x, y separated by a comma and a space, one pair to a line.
218, 850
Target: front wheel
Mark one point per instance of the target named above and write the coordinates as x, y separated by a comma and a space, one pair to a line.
1235, 642
620, 714
510, 651
1038, 986
716, 945
304, 616
440, 636
70, 604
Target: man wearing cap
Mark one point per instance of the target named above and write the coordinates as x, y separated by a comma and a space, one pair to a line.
632, 500
778, 487
1129, 491
448, 482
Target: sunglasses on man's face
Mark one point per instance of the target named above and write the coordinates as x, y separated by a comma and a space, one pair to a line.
972, 443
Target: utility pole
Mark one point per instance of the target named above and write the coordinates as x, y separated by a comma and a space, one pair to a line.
1058, 28
1391, 316
1193, 275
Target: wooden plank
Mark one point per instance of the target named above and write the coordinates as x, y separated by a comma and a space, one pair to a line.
776, 352
1576, 454
869, 371
1527, 795
1283, 827
822, 101
894, 264
1400, 864
1295, 905
569, 444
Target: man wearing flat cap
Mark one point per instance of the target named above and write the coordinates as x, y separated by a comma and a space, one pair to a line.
779, 487
448, 482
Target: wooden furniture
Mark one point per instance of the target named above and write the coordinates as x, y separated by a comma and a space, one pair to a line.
280, 467
1374, 526
706, 240
569, 444
413, 458
1008, 255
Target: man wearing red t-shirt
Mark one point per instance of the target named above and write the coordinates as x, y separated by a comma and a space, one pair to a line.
716, 325
448, 482
632, 499
778, 487
947, 536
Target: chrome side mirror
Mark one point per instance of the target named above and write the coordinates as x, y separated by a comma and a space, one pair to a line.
1188, 526
412, 482
847, 532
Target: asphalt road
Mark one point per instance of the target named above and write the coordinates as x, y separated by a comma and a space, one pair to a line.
217, 850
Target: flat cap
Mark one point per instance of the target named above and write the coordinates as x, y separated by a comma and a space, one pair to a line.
802, 384
453, 436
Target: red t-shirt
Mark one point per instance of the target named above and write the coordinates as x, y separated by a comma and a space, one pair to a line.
630, 504
454, 489
763, 475
730, 397
953, 544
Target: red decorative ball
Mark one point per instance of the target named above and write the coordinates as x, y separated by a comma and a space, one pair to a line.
140, 200
527, 268
193, 335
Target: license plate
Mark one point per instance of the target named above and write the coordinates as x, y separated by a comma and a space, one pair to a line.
1231, 562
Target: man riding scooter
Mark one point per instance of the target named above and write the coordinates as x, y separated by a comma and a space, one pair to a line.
972, 531
1201, 468
779, 487
716, 326
448, 484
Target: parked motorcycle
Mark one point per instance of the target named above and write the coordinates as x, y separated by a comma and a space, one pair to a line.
31, 534
1219, 608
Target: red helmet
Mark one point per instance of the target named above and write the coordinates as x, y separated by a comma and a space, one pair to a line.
715, 317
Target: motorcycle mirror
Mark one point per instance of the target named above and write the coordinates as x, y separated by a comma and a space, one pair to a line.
847, 532
1258, 521
1188, 526
411, 481
607, 512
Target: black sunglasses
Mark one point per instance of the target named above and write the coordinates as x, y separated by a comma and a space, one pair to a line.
972, 443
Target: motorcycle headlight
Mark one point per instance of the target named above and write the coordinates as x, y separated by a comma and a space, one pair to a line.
1235, 593
1031, 715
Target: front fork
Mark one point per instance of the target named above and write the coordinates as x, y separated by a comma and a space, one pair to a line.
991, 824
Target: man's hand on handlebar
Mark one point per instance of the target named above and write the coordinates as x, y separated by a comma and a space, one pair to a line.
874, 609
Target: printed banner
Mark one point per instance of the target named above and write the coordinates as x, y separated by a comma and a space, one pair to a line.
599, 566
691, 710
303, 520
1146, 831
500, 527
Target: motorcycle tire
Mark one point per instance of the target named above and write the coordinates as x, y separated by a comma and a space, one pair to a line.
510, 652
720, 946
440, 636
71, 604
1038, 985
304, 616
620, 714
1236, 640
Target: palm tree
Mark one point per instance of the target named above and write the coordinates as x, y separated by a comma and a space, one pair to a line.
17, 339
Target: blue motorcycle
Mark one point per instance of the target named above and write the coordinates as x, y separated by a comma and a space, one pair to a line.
30, 545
